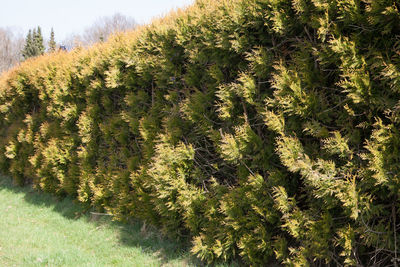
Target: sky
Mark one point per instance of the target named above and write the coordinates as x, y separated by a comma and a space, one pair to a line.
69, 17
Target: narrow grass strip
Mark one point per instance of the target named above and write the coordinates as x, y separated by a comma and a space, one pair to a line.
37, 229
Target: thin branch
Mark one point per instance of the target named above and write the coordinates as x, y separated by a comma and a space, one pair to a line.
100, 214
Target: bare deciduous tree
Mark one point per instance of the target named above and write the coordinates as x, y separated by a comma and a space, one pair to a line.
11, 45
72, 41
106, 26
101, 30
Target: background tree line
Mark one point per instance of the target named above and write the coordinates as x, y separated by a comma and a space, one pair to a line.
11, 45
14, 48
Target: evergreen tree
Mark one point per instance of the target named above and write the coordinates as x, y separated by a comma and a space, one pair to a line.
38, 40
27, 51
33, 44
52, 42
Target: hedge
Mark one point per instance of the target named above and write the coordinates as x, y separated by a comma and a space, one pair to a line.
261, 129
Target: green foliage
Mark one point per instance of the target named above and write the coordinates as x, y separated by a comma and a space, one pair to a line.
265, 130
52, 42
33, 44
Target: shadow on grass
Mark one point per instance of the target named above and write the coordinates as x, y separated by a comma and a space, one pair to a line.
132, 234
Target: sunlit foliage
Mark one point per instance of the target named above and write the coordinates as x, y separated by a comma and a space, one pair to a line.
260, 129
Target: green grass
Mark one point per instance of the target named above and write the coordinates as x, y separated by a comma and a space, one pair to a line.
37, 229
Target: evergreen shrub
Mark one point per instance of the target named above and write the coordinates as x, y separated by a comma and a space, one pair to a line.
261, 129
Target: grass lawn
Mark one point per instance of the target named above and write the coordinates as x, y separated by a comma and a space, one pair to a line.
37, 229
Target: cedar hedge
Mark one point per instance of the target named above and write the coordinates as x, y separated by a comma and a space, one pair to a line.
261, 129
